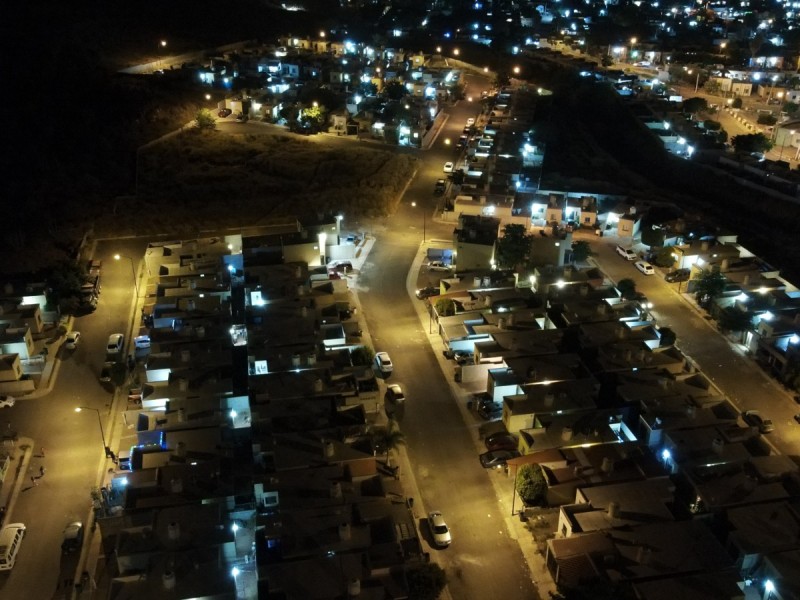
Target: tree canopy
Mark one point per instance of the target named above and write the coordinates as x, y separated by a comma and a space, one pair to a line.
752, 142
513, 248
709, 286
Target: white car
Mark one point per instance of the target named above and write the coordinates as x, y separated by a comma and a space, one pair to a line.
115, 343
438, 265
448, 167
645, 267
73, 337
394, 394
470, 122
141, 342
7, 401
384, 363
439, 530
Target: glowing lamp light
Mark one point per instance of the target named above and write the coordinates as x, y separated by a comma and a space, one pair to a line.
665, 454
794, 339
235, 527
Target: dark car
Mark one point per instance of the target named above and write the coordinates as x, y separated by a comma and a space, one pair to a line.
225, 112
496, 459
502, 440
427, 292
73, 537
490, 410
440, 187
677, 275
754, 419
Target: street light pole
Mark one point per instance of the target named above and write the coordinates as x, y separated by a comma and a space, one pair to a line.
99, 422
133, 271
414, 204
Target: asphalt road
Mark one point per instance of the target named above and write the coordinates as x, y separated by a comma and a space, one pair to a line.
74, 455
483, 561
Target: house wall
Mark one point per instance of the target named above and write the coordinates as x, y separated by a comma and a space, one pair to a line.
473, 256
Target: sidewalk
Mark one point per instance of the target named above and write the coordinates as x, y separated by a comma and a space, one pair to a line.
20, 451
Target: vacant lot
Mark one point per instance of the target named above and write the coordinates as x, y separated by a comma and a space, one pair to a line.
198, 180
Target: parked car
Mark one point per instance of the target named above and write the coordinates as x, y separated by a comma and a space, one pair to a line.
678, 275
448, 167
115, 343
394, 394
384, 363
105, 371
438, 265
7, 401
428, 292
439, 529
502, 440
754, 419
73, 537
464, 358
73, 337
496, 459
470, 122
225, 112
490, 410
141, 342
626, 253
439, 187
645, 267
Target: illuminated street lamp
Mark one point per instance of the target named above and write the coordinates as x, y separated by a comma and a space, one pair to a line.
696, 80
163, 43
456, 52
133, 271
438, 49
208, 96
423, 221
516, 70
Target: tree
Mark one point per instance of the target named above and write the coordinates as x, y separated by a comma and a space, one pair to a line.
363, 355
606, 61
388, 439
65, 280
395, 90
709, 286
664, 257
767, 119
737, 103
514, 247
695, 105
426, 581
627, 288
790, 108
314, 116
445, 307
205, 120
733, 319
531, 485
501, 78
753, 142
581, 250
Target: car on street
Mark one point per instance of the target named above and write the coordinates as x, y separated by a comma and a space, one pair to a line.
625, 253
502, 440
496, 459
73, 337
797, 417
464, 358
645, 267
225, 112
394, 394
470, 122
754, 419
7, 401
115, 343
141, 342
677, 276
448, 167
438, 265
384, 363
427, 292
105, 371
73, 537
439, 529
440, 187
